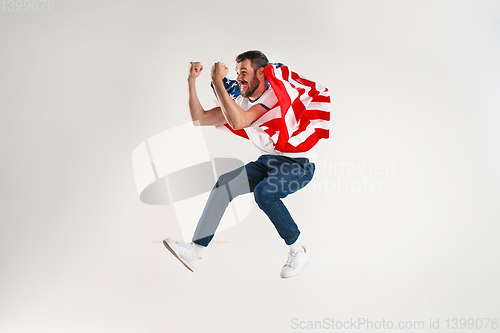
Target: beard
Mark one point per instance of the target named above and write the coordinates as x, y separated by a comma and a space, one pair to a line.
251, 87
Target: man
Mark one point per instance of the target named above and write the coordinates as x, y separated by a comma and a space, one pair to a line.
253, 114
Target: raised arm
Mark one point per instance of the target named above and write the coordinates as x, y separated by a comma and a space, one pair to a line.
198, 115
235, 116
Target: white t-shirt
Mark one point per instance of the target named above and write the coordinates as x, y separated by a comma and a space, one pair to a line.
261, 139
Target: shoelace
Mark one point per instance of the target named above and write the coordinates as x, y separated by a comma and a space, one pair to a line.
187, 246
190, 247
291, 258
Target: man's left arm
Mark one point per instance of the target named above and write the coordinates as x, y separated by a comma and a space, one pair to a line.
236, 117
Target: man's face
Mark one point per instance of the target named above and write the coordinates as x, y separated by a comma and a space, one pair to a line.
246, 77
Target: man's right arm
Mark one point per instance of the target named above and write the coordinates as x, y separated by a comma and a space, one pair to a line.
198, 114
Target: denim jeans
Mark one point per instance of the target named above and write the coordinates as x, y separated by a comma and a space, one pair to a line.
270, 178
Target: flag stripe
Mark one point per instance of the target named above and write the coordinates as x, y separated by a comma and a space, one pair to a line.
302, 115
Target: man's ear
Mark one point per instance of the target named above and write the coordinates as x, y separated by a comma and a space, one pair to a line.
260, 73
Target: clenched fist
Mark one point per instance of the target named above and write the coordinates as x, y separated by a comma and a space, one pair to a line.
195, 69
219, 71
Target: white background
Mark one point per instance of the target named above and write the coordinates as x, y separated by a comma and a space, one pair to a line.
414, 87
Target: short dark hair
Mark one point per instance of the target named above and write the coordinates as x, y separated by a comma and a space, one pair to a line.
257, 58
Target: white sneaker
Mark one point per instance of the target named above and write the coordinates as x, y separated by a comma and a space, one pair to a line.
295, 263
185, 252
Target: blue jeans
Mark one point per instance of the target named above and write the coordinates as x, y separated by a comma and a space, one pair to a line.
270, 178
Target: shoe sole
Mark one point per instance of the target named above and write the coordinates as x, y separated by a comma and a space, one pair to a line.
175, 254
290, 276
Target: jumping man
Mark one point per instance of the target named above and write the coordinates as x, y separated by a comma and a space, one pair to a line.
285, 166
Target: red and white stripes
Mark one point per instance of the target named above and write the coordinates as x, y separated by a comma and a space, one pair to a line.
301, 116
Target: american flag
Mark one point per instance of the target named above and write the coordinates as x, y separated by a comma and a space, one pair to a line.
299, 119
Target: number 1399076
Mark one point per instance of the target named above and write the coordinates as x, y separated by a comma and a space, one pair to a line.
471, 323
27, 5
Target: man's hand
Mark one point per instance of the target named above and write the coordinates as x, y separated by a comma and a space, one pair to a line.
219, 71
195, 69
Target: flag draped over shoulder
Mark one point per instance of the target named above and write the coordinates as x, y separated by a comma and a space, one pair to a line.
299, 119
